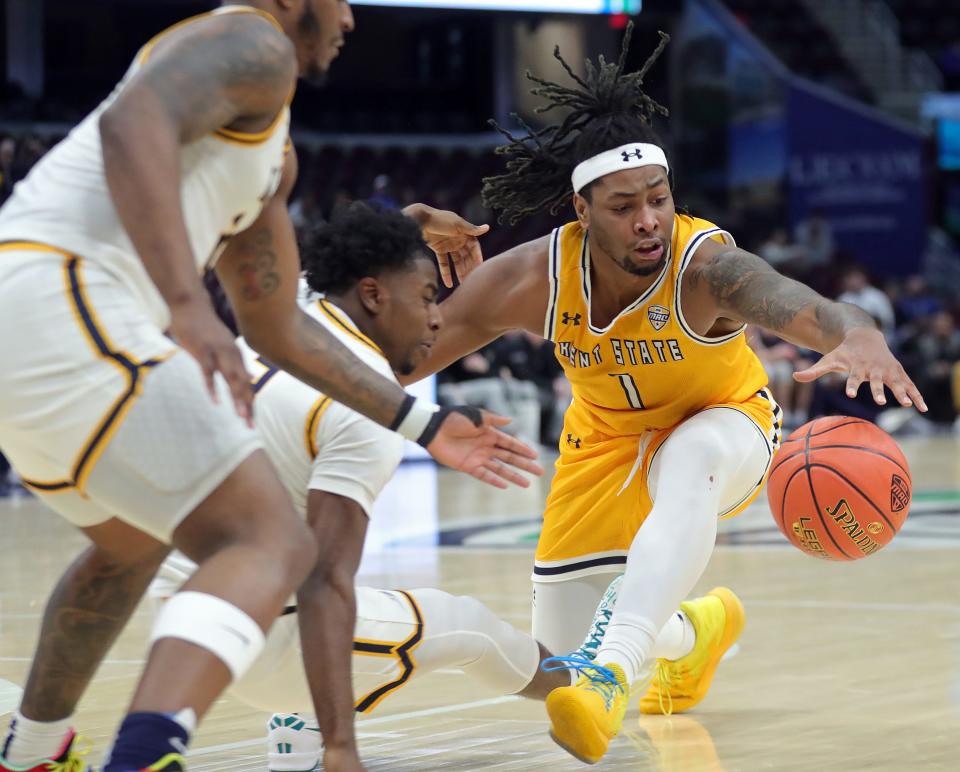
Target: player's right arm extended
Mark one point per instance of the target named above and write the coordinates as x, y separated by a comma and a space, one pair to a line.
509, 291
230, 70
259, 270
327, 613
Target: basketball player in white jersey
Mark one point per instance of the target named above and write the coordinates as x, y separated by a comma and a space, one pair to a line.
379, 293
143, 442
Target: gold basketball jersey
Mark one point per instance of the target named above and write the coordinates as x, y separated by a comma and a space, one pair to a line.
646, 369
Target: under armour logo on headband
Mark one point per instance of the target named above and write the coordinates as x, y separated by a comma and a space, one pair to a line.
628, 156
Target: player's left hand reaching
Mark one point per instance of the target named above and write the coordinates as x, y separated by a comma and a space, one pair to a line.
454, 240
864, 356
466, 439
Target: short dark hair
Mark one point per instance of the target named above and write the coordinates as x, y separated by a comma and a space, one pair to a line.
361, 240
607, 108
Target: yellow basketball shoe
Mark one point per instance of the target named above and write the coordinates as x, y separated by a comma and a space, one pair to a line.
678, 685
585, 717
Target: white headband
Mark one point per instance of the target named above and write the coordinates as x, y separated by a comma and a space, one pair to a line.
623, 157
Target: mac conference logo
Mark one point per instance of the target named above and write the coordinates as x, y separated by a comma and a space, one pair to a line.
658, 316
899, 493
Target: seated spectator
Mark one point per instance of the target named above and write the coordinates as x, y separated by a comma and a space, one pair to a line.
856, 289
916, 302
781, 360
815, 237
523, 356
305, 211
830, 398
781, 253
931, 358
476, 380
381, 192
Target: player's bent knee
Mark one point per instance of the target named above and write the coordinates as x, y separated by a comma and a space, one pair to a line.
699, 448
299, 550
212, 624
479, 642
281, 535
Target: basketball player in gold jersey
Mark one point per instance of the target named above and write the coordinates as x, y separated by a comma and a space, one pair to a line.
142, 441
671, 426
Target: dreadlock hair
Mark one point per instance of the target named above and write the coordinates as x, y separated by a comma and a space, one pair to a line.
607, 108
361, 240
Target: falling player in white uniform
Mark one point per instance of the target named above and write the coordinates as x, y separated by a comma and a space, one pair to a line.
379, 297
143, 442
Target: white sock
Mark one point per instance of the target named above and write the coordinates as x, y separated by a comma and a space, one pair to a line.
187, 718
29, 742
628, 640
676, 639
601, 618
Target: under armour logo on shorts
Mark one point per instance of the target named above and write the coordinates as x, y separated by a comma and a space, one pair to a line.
575, 441
635, 154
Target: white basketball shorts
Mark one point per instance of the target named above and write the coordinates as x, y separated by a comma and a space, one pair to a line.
399, 635
100, 413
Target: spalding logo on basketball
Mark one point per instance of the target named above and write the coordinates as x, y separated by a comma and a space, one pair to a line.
839, 488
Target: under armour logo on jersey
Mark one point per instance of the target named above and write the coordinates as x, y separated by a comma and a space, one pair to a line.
658, 316
568, 319
574, 441
635, 154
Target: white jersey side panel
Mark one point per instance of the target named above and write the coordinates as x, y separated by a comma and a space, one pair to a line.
314, 444
64, 202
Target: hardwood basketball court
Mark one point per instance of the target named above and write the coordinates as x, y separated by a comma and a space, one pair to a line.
842, 666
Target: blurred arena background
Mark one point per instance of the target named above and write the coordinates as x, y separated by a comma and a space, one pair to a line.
824, 134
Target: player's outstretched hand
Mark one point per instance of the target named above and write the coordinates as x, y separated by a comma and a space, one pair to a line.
864, 356
198, 331
454, 240
482, 450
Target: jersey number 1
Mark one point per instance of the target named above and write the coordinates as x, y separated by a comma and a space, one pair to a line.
629, 387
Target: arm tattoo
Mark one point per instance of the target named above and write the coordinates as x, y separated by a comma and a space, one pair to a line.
203, 78
257, 273
748, 289
832, 317
329, 366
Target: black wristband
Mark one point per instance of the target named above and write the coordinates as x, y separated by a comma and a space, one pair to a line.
402, 412
437, 419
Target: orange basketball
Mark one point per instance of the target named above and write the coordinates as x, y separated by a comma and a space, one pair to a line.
839, 488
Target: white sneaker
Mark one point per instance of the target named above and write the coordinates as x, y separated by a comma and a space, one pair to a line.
293, 743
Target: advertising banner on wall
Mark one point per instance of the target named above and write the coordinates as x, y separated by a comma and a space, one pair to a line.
862, 172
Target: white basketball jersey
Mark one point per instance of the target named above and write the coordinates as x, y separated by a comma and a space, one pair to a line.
318, 444
314, 443
225, 178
